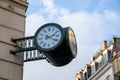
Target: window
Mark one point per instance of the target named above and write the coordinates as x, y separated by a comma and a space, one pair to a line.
105, 58
108, 77
94, 67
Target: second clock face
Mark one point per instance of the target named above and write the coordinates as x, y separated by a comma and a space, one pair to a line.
48, 37
72, 42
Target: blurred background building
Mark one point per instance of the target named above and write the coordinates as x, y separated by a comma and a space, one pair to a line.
105, 65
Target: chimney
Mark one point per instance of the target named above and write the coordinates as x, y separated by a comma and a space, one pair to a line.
104, 44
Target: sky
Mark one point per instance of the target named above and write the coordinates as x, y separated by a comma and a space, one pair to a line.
92, 21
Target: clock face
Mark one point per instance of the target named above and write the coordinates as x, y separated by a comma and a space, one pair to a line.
48, 36
72, 42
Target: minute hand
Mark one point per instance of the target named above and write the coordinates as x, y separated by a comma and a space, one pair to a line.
53, 34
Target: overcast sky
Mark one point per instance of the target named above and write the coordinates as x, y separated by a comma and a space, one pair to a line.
92, 21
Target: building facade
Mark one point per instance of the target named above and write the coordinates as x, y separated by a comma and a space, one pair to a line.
116, 59
105, 65
12, 25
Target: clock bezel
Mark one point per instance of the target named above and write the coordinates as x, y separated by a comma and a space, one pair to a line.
57, 45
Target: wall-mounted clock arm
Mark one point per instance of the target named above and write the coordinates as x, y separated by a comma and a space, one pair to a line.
26, 46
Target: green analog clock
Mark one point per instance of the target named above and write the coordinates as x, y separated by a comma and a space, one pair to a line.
57, 44
48, 37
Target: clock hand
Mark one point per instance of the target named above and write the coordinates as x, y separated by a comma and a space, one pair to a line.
53, 34
47, 37
54, 39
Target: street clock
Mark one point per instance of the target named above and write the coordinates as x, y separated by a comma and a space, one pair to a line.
51, 42
57, 44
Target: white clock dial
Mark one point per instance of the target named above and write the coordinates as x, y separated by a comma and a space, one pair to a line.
49, 36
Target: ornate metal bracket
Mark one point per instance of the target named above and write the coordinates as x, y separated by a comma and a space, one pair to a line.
26, 45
